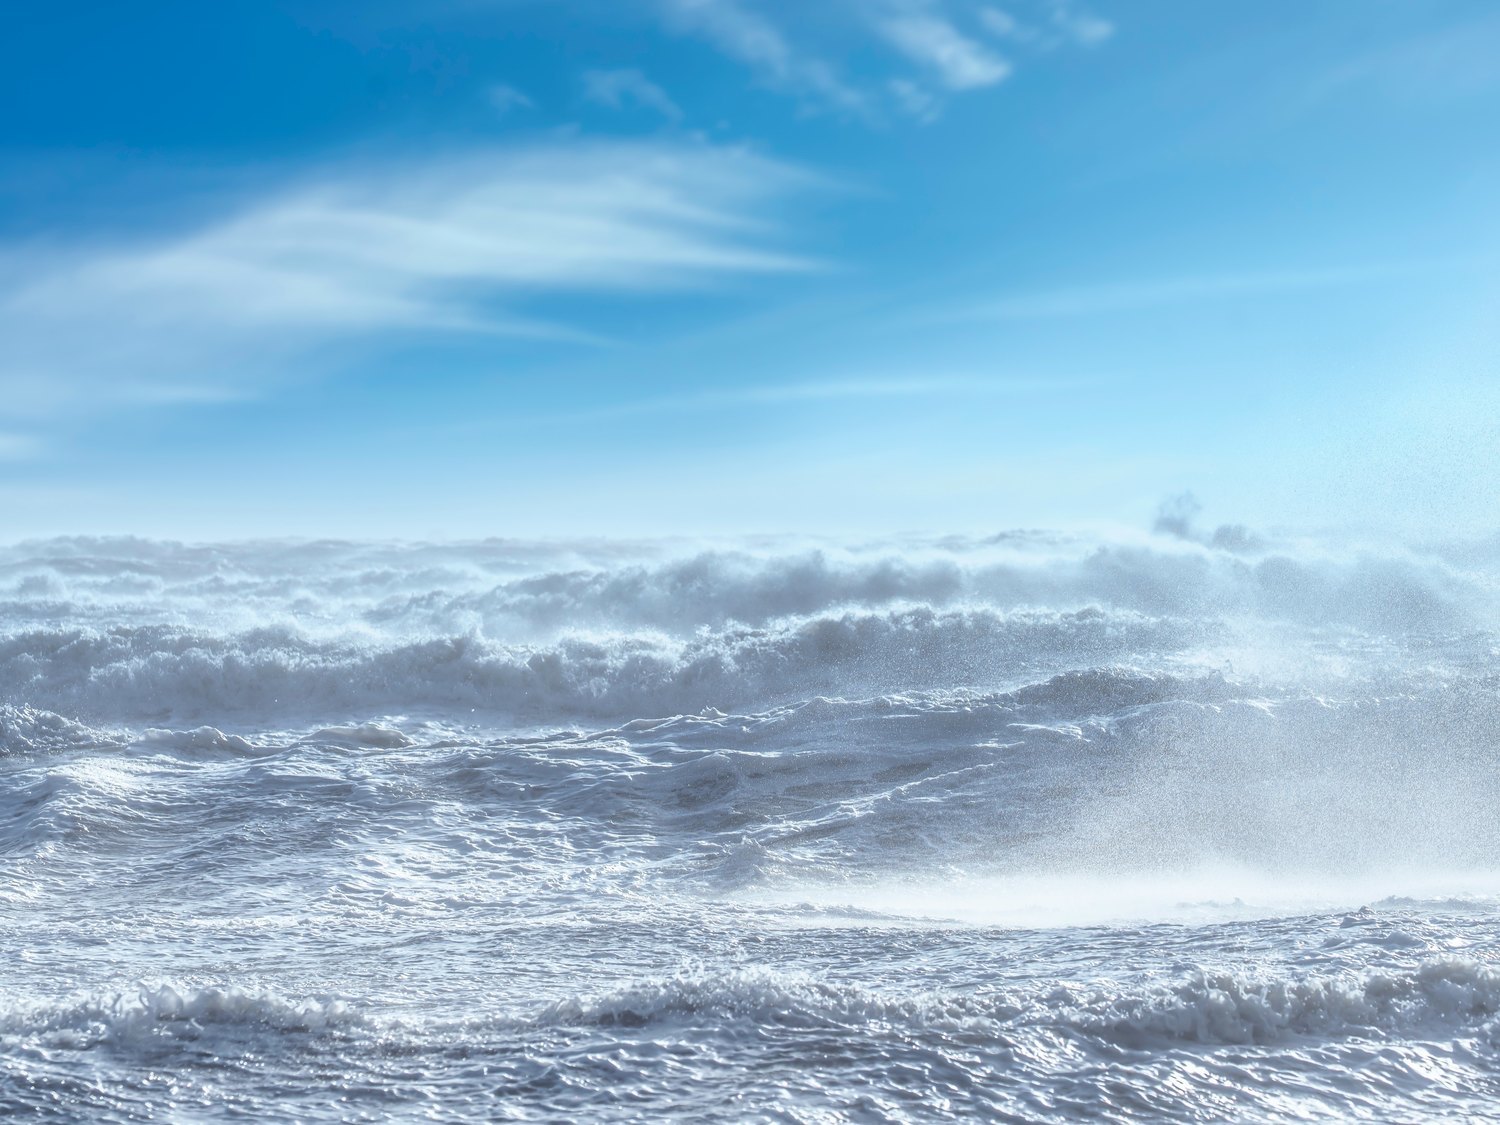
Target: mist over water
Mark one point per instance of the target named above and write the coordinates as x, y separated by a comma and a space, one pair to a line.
1035, 826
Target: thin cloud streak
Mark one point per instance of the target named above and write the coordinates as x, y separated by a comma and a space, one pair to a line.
504, 98
1452, 63
929, 36
1090, 300
748, 36
1064, 23
619, 89
835, 390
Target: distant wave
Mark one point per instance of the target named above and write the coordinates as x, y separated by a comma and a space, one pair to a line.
136, 631
1399, 592
1441, 997
515, 591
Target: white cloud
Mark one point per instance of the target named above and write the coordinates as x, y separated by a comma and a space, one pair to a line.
1061, 23
506, 98
619, 88
819, 52
1001, 23
748, 36
929, 39
1080, 27
455, 245
915, 99
932, 36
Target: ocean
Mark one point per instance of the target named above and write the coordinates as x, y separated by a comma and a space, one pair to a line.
1032, 827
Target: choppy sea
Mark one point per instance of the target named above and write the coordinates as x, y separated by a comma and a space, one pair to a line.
1033, 827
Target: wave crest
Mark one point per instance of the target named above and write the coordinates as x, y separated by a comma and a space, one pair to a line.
154, 1011
161, 672
1438, 997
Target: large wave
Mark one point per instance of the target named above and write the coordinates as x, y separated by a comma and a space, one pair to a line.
505, 588
1437, 998
162, 672
1440, 998
129, 630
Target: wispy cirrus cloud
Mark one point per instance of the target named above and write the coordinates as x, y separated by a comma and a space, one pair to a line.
926, 386
1129, 296
749, 36
505, 98
1450, 63
959, 61
1057, 23
948, 46
618, 89
454, 245
915, 100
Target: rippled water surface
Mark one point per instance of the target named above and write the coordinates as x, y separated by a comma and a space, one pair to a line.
1035, 828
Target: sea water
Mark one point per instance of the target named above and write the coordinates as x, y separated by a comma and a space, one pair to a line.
1031, 827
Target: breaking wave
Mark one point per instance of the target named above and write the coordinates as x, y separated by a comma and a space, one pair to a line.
125, 629
163, 671
512, 588
157, 1011
1439, 998
27, 730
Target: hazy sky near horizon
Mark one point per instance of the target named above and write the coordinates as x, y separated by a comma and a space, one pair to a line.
501, 267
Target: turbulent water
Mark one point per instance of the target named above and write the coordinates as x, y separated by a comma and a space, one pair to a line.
1034, 827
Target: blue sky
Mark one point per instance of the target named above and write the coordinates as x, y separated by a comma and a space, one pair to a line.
502, 267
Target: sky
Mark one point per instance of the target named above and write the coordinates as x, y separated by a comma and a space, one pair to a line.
460, 268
